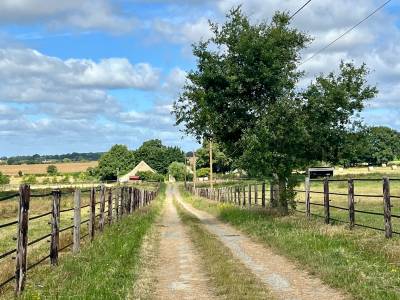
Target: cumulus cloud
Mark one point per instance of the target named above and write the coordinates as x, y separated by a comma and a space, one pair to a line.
80, 14
71, 89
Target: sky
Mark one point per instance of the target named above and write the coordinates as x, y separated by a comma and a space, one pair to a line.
83, 75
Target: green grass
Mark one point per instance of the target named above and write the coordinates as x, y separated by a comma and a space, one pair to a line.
231, 279
361, 262
104, 269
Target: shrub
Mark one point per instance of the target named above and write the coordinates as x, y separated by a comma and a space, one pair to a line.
4, 179
29, 179
20, 174
150, 176
52, 170
177, 170
203, 172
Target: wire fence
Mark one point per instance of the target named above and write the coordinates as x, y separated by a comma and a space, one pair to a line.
333, 200
120, 201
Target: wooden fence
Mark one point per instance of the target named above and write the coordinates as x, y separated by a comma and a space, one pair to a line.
264, 194
127, 199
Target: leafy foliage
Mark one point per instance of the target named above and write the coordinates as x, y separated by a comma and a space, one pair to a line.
244, 95
203, 172
177, 170
158, 156
150, 176
372, 145
37, 159
118, 160
52, 170
4, 179
221, 162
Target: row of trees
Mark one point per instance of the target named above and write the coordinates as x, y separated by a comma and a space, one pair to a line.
244, 95
38, 159
119, 160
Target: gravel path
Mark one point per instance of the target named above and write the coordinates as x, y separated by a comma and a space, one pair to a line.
280, 275
178, 273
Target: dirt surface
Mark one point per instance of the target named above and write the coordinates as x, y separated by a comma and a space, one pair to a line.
282, 277
178, 273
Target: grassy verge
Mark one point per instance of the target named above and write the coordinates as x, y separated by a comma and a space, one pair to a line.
105, 269
230, 277
362, 263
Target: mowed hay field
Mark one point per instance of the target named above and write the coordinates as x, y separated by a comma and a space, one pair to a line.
12, 170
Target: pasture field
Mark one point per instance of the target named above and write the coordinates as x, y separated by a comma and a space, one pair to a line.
71, 167
40, 227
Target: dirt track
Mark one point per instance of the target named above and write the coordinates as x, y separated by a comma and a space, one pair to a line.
281, 276
178, 275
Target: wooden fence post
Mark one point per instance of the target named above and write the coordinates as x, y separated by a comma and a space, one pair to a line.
235, 194
77, 221
256, 194
272, 194
263, 194
387, 208
116, 204
307, 196
250, 195
350, 198
102, 206
55, 227
110, 208
92, 218
326, 200
132, 198
22, 238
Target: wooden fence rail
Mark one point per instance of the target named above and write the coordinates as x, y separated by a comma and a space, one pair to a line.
246, 195
127, 201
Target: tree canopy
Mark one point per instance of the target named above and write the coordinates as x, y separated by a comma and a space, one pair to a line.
117, 161
158, 156
244, 94
221, 162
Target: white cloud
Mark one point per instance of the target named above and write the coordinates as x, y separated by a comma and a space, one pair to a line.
81, 14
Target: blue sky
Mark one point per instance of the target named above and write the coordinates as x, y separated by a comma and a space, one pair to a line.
82, 75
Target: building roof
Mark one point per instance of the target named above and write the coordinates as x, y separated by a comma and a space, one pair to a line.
140, 167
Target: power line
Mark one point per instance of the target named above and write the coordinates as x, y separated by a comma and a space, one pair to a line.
297, 11
346, 32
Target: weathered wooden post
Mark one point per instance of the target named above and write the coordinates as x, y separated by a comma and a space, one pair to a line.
110, 208
387, 208
102, 207
350, 197
263, 194
77, 221
132, 199
235, 194
22, 238
256, 194
55, 227
307, 197
116, 204
326, 200
92, 217
272, 195
250, 195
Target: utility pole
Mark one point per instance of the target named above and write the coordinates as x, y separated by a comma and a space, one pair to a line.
211, 165
194, 170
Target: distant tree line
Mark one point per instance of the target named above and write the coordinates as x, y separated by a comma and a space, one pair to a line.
38, 159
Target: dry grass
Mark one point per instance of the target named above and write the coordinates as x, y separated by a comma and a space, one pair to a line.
12, 170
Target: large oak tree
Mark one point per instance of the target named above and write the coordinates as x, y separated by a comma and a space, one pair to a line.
244, 94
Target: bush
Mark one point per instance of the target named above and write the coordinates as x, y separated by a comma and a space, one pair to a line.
29, 179
52, 170
203, 172
177, 170
150, 176
20, 174
4, 179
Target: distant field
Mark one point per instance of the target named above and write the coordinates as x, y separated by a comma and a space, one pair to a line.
13, 170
